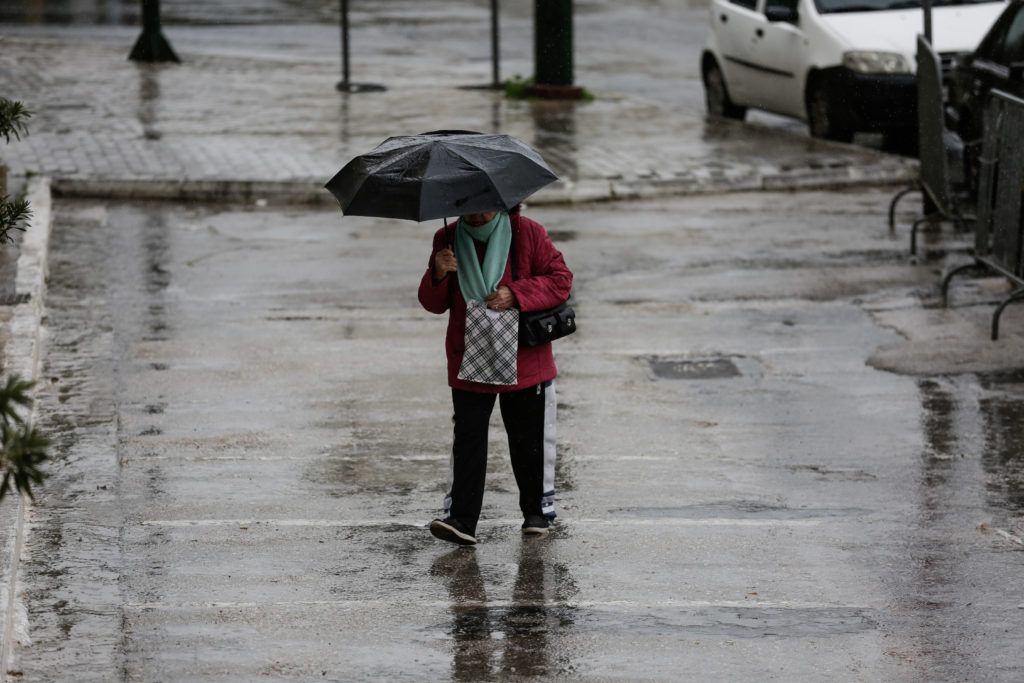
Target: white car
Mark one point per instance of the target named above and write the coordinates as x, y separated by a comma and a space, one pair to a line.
841, 65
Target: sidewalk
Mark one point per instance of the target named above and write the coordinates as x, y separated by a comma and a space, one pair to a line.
240, 128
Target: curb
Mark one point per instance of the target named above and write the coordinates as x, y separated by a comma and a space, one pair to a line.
311, 192
568, 192
22, 356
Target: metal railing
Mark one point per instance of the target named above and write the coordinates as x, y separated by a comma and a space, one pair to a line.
940, 151
998, 231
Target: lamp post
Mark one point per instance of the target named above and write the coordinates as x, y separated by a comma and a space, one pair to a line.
151, 45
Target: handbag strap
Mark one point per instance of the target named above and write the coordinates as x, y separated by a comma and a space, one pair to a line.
512, 246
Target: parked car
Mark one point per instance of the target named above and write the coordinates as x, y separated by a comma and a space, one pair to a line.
841, 65
996, 64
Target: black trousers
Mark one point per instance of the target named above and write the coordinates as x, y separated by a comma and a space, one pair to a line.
523, 414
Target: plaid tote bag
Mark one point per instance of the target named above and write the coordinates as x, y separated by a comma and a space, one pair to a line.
492, 341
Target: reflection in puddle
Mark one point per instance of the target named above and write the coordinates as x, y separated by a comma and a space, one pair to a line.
555, 122
970, 469
514, 638
149, 99
958, 426
1003, 457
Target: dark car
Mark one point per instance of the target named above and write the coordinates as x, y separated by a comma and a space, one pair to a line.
996, 64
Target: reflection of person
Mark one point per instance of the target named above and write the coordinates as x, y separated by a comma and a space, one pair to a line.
473, 260
529, 625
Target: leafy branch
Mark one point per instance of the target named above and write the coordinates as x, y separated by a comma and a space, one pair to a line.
23, 448
13, 116
13, 212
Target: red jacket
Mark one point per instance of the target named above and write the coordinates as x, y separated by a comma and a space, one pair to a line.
544, 281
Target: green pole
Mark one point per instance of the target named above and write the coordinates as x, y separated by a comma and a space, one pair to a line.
552, 42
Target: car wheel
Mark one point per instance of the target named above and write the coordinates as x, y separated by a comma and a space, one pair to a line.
716, 96
821, 115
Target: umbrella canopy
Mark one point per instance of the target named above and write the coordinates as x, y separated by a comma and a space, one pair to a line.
439, 175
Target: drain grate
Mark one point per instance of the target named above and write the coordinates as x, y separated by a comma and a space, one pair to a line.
14, 299
694, 368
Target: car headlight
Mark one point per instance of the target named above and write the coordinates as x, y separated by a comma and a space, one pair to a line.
876, 62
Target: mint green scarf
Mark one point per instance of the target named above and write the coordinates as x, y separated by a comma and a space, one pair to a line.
477, 283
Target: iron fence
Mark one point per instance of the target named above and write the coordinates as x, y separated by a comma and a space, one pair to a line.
998, 231
940, 150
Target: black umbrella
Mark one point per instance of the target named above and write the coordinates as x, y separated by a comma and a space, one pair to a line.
440, 174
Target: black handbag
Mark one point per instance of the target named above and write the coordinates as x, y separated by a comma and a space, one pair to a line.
543, 327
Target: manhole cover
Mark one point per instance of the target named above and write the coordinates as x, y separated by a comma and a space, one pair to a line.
694, 368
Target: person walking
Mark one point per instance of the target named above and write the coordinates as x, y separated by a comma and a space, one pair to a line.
501, 261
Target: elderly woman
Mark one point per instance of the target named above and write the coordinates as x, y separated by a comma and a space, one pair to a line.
500, 261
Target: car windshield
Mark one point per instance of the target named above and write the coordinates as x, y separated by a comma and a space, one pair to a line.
833, 6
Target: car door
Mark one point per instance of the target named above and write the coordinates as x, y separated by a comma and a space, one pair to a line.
734, 23
778, 49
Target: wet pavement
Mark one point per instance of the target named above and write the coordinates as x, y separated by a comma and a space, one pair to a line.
252, 431
780, 457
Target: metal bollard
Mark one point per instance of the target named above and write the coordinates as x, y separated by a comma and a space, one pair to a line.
151, 45
345, 84
553, 51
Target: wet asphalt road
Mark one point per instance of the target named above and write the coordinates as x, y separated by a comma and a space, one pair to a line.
253, 427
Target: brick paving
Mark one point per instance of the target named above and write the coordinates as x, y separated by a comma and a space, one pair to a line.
104, 125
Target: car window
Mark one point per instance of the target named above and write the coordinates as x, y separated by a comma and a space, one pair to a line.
1004, 38
992, 43
1013, 47
748, 4
788, 4
827, 6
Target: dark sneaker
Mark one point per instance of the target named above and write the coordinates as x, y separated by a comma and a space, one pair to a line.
535, 525
450, 530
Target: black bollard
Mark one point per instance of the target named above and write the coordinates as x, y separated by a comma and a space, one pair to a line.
346, 84
495, 83
495, 52
151, 45
553, 50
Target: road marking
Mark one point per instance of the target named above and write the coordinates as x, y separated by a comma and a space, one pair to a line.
375, 457
184, 523
504, 604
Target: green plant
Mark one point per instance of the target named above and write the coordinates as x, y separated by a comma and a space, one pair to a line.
23, 448
13, 213
13, 116
517, 87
